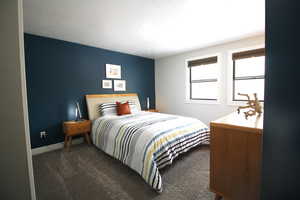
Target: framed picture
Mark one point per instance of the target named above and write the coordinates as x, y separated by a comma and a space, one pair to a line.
113, 71
107, 84
119, 85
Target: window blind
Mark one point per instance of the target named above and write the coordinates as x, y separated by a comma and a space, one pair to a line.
203, 61
248, 54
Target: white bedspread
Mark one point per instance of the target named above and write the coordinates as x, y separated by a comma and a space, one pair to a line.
147, 141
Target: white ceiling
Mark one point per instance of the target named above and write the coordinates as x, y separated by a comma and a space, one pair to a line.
149, 28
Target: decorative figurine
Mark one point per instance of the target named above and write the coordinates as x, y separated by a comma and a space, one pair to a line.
254, 105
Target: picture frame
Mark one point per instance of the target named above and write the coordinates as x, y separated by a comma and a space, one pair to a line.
107, 84
113, 71
119, 85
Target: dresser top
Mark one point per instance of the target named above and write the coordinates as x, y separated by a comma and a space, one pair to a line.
238, 121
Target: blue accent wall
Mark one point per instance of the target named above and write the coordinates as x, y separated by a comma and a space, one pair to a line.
59, 73
281, 137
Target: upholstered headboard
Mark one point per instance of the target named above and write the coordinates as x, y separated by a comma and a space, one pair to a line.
94, 100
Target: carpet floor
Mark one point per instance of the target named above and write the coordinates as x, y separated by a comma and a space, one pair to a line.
86, 173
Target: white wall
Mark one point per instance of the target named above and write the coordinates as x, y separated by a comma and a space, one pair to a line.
16, 172
170, 82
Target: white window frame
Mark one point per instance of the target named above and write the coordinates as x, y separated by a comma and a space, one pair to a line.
229, 74
187, 81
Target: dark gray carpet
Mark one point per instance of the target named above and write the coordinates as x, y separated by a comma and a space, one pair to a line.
86, 173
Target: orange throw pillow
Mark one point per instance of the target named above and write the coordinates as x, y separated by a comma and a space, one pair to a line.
123, 108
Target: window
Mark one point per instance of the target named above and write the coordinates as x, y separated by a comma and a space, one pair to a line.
203, 78
248, 73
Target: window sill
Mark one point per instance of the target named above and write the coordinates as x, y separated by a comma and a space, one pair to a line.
189, 101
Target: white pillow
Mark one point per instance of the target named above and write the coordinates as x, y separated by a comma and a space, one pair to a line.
108, 109
111, 108
133, 107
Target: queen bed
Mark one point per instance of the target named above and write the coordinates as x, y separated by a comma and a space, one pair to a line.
144, 141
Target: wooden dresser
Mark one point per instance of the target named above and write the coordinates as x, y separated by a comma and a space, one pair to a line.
235, 158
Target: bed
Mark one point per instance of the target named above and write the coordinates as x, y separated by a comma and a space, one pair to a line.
144, 141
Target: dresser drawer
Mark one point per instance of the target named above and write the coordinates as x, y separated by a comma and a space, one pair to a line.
74, 128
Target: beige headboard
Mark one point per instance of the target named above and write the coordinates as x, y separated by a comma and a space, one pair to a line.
94, 100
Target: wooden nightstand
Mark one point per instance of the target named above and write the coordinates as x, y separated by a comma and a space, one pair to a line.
151, 110
72, 128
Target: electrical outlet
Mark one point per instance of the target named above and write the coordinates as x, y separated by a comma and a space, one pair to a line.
43, 134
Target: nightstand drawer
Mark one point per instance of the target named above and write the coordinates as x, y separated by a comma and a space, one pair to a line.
73, 128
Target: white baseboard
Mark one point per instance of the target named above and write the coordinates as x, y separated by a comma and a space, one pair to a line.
53, 147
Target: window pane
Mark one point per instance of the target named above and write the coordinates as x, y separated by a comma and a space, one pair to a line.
249, 87
250, 67
206, 90
204, 72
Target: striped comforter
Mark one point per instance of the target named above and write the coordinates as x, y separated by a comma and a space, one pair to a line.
147, 141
